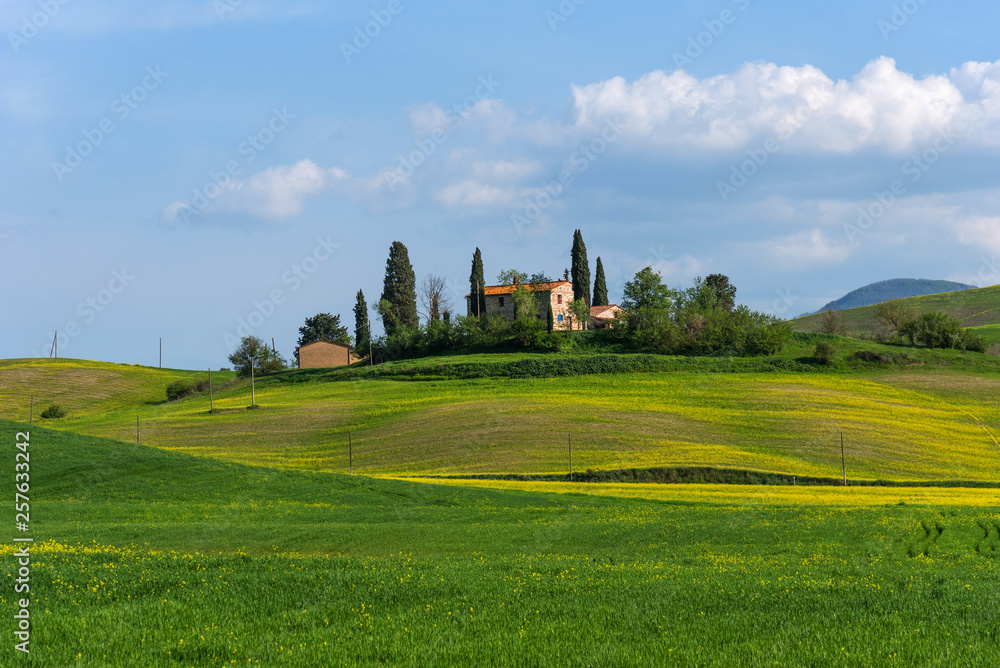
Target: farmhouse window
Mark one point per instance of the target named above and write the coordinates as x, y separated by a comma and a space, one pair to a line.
501, 301
558, 299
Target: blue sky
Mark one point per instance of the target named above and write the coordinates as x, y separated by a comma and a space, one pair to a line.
176, 169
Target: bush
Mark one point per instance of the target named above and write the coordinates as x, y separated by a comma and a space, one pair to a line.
825, 353
53, 412
179, 389
869, 357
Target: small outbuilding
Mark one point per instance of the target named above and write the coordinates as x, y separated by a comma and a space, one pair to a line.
322, 354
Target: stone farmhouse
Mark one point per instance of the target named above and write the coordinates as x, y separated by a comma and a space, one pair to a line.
557, 294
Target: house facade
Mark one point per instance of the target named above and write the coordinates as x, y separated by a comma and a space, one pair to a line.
322, 354
603, 317
557, 294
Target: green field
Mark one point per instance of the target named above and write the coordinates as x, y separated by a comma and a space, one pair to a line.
154, 558
235, 537
907, 423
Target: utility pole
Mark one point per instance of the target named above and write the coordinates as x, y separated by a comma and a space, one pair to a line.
253, 392
571, 457
211, 395
54, 351
843, 458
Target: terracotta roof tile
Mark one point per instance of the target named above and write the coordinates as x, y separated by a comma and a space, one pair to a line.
509, 289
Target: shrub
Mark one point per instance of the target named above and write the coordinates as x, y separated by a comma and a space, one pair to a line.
869, 357
53, 412
825, 353
179, 389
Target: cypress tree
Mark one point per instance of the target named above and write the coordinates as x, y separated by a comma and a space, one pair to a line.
550, 319
399, 291
581, 269
477, 286
361, 333
600, 286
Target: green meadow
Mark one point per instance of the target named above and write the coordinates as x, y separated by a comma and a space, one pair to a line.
153, 558
934, 420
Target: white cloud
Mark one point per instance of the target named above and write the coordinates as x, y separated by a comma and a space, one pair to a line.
803, 250
801, 107
475, 194
276, 193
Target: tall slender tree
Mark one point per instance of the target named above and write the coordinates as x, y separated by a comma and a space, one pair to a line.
362, 335
477, 286
600, 286
581, 269
399, 291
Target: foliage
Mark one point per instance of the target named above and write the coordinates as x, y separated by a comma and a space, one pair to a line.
833, 323
600, 286
725, 294
550, 319
398, 304
179, 389
692, 321
580, 268
511, 277
322, 327
646, 292
525, 303
940, 330
580, 311
53, 412
253, 352
477, 286
362, 333
825, 353
539, 277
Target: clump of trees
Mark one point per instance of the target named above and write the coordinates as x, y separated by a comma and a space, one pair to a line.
322, 327
184, 388
932, 330
701, 320
253, 353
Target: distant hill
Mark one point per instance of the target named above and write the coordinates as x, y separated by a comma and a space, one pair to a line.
897, 288
975, 307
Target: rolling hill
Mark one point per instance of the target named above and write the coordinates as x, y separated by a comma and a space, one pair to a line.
897, 288
906, 423
977, 307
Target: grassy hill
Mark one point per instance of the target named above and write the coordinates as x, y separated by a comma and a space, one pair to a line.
929, 421
150, 558
974, 308
897, 288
